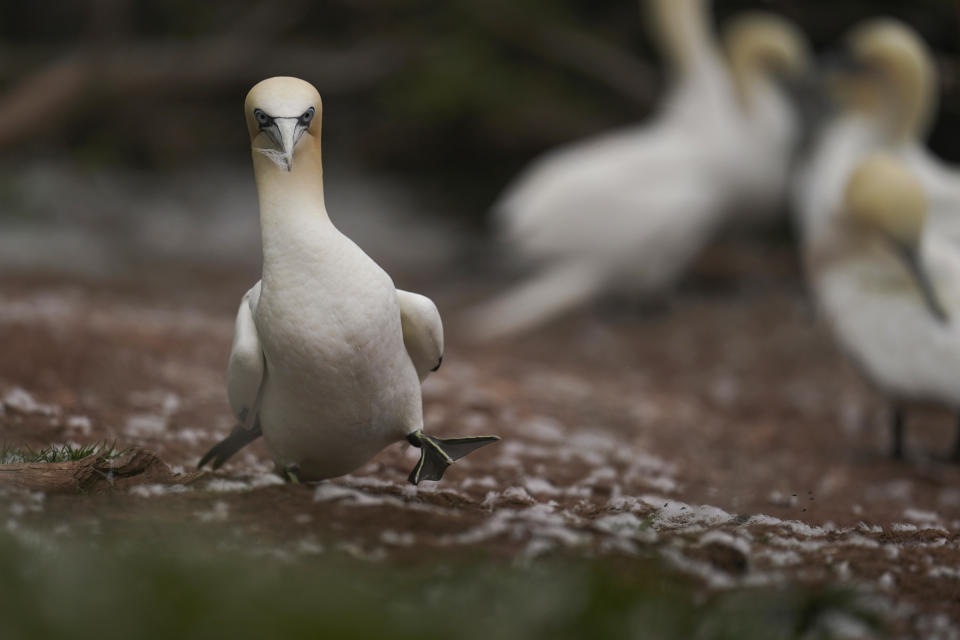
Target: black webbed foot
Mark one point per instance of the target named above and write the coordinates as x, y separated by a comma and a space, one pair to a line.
436, 454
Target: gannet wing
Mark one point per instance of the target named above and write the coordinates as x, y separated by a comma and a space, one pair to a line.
422, 331
246, 366
245, 373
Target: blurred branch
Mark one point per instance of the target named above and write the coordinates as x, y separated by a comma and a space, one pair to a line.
578, 51
43, 100
66, 87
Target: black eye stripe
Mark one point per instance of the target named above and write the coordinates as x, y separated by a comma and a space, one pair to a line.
266, 121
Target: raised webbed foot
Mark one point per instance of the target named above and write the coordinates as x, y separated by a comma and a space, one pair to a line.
436, 454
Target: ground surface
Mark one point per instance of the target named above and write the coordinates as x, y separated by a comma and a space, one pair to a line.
724, 435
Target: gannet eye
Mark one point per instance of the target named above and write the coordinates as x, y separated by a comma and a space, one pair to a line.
307, 116
262, 119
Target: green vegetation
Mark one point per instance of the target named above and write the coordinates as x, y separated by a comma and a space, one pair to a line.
189, 590
58, 453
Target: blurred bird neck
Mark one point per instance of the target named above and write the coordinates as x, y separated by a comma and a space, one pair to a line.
292, 208
751, 82
914, 108
682, 32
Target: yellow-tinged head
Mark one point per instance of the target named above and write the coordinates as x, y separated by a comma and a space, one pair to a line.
766, 41
283, 115
760, 45
897, 75
884, 195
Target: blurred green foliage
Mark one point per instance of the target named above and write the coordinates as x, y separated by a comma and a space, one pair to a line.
187, 589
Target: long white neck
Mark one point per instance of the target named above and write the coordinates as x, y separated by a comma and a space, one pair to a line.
682, 31
292, 210
916, 89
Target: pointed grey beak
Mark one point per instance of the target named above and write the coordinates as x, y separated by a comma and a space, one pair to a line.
285, 133
290, 132
911, 258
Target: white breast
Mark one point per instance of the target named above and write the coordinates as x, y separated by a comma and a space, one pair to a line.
880, 320
339, 383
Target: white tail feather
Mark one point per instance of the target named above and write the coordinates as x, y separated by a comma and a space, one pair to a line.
532, 303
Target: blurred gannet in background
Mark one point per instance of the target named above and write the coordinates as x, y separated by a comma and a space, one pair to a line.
888, 101
328, 355
890, 292
628, 211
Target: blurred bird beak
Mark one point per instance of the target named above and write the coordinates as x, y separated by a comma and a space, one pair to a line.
285, 133
911, 257
807, 91
840, 62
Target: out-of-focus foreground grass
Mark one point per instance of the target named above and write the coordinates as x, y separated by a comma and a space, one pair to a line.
190, 589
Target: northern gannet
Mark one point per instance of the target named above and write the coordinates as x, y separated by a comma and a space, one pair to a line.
889, 291
328, 354
887, 101
628, 211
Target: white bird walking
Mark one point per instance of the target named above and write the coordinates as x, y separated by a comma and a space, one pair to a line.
627, 212
887, 102
328, 355
890, 292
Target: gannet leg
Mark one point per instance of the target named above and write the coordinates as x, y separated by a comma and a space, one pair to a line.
897, 424
240, 437
436, 454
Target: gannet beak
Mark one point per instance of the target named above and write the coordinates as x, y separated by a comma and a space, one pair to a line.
911, 257
807, 90
285, 133
842, 62
290, 132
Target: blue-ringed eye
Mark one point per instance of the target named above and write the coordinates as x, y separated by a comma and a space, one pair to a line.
262, 119
307, 116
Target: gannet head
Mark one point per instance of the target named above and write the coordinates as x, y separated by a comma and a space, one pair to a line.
884, 197
894, 73
762, 45
280, 111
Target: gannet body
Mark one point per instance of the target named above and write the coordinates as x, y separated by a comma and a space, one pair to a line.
888, 106
889, 291
320, 362
628, 211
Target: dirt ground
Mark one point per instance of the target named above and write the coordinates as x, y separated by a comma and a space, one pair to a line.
723, 433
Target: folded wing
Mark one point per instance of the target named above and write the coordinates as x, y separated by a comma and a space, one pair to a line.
422, 331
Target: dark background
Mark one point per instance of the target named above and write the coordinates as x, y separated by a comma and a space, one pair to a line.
452, 96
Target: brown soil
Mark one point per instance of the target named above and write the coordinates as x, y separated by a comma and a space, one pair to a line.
724, 433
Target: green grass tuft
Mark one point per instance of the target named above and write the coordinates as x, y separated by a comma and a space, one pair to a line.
58, 453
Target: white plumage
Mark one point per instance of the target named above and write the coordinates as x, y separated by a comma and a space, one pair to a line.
328, 355
888, 105
890, 292
422, 331
629, 210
